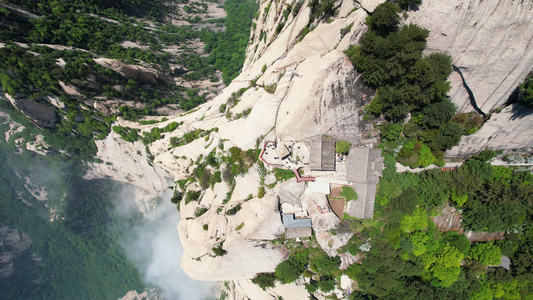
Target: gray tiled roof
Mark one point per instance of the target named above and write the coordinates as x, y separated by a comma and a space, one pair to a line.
363, 207
322, 154
364, 167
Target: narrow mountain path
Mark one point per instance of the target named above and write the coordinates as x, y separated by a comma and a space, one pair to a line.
497, 162
283, 98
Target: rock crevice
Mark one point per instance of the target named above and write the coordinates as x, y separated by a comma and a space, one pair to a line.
468, 90
489, 39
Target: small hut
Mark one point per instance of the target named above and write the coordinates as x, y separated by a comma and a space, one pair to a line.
296, 228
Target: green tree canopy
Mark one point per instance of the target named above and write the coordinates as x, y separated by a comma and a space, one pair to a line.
348, 193
425, 158
486, 253
264, 280
289, 270
385, 59
438, 114
404, 204
495, 206
391, 131
384, 19
406, 4
326, 264
457, 240
526, 89
447, 137
343, 147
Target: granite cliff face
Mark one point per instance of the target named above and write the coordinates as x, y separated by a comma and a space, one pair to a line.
319, 90
304, 87
314, 89
490, 42
509, 130
491, 47
294, 87
292, 81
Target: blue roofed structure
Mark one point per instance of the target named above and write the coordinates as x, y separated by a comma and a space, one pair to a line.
296, 228
290, 222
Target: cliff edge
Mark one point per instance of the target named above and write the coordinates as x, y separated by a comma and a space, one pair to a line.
296, 84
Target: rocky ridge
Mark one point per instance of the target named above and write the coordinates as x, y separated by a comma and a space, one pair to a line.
313, 88
508, 130
304, 87
300, 89
287, 113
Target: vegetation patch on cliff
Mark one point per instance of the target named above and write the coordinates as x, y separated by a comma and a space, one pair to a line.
93, 51
403, 251
409, 85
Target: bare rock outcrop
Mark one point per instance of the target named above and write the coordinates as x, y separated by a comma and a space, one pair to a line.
299, 88
128, 162
40, 114
145, 295
14, 244
246, 289
243, 237
139, 73
318, 88
324, 98
490, 41
509, 129
69, 89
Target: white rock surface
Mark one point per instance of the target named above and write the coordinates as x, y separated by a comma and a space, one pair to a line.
489, 40
139, 73
198, 242
509, 129
122, 162
245, 289
317, 92
247, 253
244, 259
331, 243
246, 185
321, 220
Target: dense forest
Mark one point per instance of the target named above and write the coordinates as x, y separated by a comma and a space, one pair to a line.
406, 256
75, 24
410, 256
35, 67
79, 254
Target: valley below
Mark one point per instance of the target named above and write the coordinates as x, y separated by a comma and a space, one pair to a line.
245, 150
